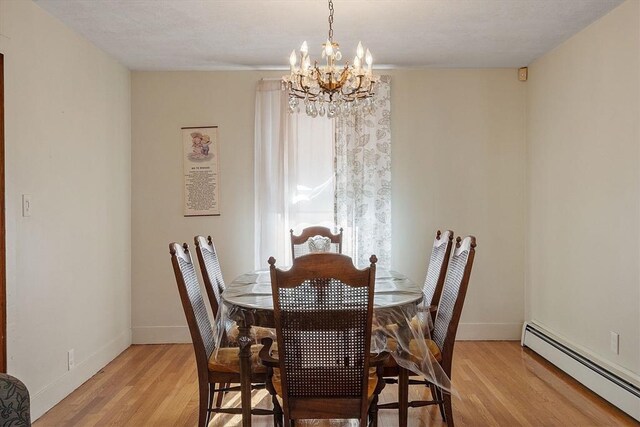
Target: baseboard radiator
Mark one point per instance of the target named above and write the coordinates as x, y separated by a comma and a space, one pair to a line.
602, 381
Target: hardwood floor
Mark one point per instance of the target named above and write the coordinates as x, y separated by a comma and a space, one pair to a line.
499, 384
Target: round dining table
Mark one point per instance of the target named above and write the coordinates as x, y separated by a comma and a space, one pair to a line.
248, 302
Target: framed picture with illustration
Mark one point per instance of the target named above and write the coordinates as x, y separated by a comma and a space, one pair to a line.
200, 168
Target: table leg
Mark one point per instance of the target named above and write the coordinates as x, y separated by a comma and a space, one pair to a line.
244, 340
403, 397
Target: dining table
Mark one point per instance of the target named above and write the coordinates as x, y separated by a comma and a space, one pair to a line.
247, 301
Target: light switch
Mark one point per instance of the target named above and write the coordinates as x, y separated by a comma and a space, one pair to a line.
26, 205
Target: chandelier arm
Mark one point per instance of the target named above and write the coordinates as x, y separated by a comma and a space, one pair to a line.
370, 90
356, 90
319, 74
301, 84
343, 78
330, 86
296, 94
303, 91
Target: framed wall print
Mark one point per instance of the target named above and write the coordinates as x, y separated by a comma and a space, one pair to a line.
200, 165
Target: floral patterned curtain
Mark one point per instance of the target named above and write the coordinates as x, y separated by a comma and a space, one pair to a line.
363, 180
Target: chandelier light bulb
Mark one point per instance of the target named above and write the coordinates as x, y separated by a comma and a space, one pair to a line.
360, 50
356, 62
369, 58
293, 59
304, 49
328, 48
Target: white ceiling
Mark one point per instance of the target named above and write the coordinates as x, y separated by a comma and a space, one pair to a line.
236, 34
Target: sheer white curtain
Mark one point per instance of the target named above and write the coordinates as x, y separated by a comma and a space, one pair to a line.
294, 173
363, 180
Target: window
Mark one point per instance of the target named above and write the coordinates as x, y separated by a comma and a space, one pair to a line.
301, 181
294, 174
312, 180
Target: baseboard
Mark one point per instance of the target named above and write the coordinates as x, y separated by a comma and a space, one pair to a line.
466, 332
50, 395
489, 331
612, 385
160, 335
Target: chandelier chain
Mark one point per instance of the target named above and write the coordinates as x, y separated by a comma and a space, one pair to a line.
331, 20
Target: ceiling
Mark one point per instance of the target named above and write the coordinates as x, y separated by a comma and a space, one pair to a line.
254, 34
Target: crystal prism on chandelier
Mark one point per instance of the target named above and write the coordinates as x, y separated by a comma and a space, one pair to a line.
330, 89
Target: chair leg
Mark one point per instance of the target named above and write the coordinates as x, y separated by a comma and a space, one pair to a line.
220, 395
448, 408
439, 397
277, 412
435, 395
373, 412
403, 397
433, 391
203, 413
212, 392
278, 416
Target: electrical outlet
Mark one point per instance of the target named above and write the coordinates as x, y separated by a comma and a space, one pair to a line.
71, 359
615, 343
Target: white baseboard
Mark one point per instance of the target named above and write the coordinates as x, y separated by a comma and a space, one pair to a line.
160, 335
489, 332
466, 332
619, 389
51, 394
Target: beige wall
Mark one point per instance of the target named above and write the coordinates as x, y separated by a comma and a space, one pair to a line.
162, 103
68, 139
584, 188
458, 162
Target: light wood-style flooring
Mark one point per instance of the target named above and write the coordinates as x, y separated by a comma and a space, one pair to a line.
498, 384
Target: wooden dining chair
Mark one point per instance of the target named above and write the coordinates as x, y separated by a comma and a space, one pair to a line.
445, 328
432, 289
214, 285
223, 369
323, 309
308, 242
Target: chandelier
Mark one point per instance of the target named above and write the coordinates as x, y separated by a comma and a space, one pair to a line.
330, 89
